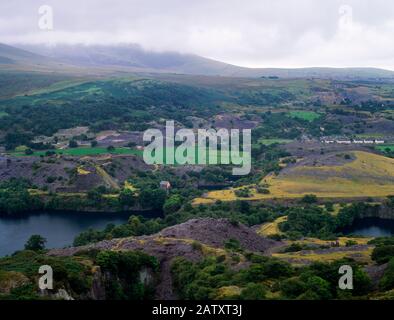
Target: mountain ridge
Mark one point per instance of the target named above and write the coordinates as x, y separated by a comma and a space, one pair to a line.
133, 58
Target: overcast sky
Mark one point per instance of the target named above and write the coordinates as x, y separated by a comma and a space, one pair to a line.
253, 33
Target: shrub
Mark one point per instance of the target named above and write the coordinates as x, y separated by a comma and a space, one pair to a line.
35, 243
383, 254
254, 291
232, 244
73, 144
242, 193
350, 243
172, 204
197, 246
292, 287
51, 179
309, 199
262, 190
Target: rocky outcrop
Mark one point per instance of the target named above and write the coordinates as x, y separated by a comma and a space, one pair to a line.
375, 273
215, 232
178, 241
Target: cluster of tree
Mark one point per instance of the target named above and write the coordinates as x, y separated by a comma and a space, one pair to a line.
316, 221
310, 221
15, 197
319, 281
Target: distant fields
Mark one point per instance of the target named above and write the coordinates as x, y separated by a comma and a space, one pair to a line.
269, 142
215, 156
82, 152
304, 115
368, 175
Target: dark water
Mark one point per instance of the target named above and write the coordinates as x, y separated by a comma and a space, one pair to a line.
57, 227
371, 227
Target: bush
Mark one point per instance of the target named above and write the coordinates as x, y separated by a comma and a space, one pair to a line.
73, 144
242, 193
329, 206
172, 204
254, 291
232, 244
262, 190
293, 287
35, 243
350, 243
383, 254
127, 198
197, 246
309, 199
319, 286
274, 268
51, 179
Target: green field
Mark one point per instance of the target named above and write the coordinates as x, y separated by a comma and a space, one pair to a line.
212, 156
375, 135
304, 115
385, 147
269, 142
82, 152
87, 151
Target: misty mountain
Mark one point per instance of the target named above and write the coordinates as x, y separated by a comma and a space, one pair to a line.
12, 55
133, 58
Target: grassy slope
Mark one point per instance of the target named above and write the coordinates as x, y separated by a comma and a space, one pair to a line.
85, 151
366, 176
